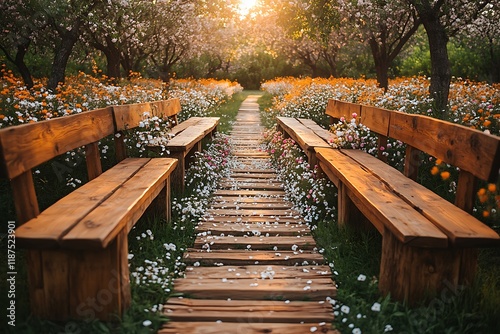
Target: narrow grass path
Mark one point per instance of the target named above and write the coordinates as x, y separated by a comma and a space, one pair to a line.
254, 266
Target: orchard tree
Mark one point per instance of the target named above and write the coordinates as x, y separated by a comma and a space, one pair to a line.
441, 20
65, 18
483, 36
385, 25
176, 28
21, 22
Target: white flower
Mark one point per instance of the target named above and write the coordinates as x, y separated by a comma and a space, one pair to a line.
345, 309
146, 323
376, 307
361, 278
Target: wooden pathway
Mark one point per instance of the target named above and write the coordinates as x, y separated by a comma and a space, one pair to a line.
254, 267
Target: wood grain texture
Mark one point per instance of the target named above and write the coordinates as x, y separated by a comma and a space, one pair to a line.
376, 119
462, 229
337, 109
379, 204
238, 327
26, 146
237, 257
47, 229
128, 116
166, 108
121, 209
468, 149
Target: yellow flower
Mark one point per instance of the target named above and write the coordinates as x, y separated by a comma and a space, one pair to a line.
445, 175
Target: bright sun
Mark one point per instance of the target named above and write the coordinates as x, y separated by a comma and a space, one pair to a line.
245, 6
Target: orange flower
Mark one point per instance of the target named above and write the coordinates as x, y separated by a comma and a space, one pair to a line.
492, 187
445, 175
486, 213
439, 161
481, 192
434, 170
487, 123
2, 117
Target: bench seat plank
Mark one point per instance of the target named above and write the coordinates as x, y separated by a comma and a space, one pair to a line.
462, 228
125, 206
304, 136
185, 140
45, 230
379, 204
184, 125
325, 134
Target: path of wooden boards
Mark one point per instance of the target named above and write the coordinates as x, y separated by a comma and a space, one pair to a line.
254, 267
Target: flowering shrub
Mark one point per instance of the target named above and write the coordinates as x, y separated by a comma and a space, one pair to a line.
312, 195
353, 134
201, 97
202, 178
83, 92
153, 135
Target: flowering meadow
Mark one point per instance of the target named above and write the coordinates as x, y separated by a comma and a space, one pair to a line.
472, 104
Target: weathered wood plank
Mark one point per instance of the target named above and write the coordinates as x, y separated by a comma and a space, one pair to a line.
256, 212
27, 146
244, 257
256, 242
455, 144
256, 271
239, 229
257, 289
247, 328
244, 192
337, 109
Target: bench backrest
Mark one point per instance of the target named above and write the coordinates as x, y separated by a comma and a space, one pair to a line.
27, 146
475, 153
129, 116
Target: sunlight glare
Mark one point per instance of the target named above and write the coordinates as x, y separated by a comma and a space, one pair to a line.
245, 6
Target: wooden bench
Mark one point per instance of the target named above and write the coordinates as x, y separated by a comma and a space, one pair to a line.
187, 136
77, 249
428, 243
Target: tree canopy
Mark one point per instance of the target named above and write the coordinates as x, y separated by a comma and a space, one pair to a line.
200, 38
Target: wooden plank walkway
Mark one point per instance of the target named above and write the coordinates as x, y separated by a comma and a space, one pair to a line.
254, 267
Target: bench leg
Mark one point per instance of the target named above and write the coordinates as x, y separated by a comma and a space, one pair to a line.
416, 275
178, 174
79, 284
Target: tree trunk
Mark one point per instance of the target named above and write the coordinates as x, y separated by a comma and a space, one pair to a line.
382, 63
21, 65
113, 57
495, 63
440, 63
62, 54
